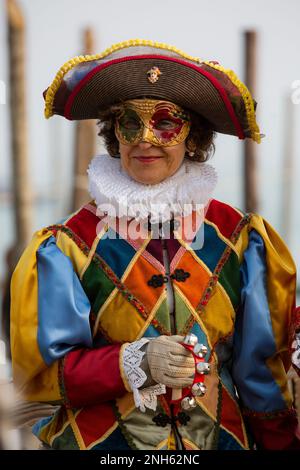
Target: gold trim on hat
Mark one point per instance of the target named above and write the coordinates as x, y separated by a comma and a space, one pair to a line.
247, 98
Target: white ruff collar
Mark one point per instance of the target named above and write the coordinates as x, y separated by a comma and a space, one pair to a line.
116, 193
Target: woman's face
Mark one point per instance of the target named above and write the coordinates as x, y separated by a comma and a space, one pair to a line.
151, 164
152, 135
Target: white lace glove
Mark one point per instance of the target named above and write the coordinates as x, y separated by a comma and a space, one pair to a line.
136, 376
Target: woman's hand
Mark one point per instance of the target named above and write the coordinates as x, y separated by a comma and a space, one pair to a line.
169, 362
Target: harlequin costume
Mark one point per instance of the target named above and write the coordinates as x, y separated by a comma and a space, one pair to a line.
84, 289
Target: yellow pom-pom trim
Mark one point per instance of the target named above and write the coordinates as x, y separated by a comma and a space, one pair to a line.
247, 98
49, 99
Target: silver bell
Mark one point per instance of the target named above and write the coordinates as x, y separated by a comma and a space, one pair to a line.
200, 349
190, 339
203, 368
198, 389
188, 403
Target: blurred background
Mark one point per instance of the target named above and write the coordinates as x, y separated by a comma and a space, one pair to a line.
43, 162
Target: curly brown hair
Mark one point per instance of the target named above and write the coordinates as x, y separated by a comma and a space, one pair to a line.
200, 139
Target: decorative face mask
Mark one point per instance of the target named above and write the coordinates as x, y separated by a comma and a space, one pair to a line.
159, 122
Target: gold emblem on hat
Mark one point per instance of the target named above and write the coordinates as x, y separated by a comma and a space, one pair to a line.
153, 74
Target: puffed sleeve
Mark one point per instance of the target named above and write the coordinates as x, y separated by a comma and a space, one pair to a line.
262, 355
53, 357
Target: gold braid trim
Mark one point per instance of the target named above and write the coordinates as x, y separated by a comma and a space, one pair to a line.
49, 99
247, 98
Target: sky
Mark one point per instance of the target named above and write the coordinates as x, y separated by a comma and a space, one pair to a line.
210, 30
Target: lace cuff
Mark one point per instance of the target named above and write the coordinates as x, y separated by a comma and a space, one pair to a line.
132, 358
296, 351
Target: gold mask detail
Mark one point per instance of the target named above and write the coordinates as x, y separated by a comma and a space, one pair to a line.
160, 123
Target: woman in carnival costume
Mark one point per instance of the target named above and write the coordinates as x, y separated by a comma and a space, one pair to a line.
156, 316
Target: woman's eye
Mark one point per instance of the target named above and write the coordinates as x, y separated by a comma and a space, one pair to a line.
130, 124
165, 124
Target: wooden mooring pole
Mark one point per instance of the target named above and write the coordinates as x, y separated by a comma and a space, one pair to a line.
21, 190
85, 144
250, 165
22, 198
287, 170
